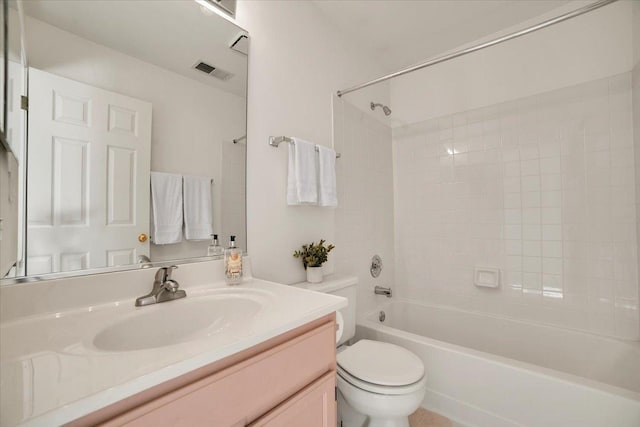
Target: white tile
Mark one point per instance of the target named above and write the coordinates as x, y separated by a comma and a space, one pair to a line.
532, 248
531, 264
550, 149
597, 141
513, 216
512, 169
512, 201
531, 281
529, 151
492, 141
597, 122
551, 182
625, 270
531, 199
626, 289
514, 263
551, 165
552, 249
531, 232
510, 154
513, 232
621, 138
622, 158
530, 183
551, 215
551, 199
529, 167
511, 184
598, 160
531, 216
513, 279
513, 247
552, 265
551, 232
552, 285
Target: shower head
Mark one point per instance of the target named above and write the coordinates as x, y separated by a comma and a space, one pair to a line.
387, 110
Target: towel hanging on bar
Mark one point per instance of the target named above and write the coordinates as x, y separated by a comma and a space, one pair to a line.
275, 141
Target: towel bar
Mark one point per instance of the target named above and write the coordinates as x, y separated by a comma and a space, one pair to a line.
275, 141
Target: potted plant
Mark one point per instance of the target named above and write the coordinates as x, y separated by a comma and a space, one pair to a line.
313, 256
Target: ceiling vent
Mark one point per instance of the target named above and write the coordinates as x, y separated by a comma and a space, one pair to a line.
212, 71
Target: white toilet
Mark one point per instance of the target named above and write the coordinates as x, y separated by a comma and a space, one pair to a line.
379, 384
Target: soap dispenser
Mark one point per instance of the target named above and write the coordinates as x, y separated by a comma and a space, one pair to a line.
233, 263
215, 249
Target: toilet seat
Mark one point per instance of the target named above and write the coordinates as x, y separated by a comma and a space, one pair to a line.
382, 389
381, 368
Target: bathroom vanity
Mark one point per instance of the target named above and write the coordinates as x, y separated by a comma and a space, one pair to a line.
255, 354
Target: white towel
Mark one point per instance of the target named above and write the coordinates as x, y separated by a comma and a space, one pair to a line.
197, 208
302, 181
327, 194
166, 200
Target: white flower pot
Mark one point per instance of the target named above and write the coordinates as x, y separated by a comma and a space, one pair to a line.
314, 274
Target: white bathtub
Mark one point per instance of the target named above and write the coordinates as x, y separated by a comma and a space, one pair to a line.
492, 371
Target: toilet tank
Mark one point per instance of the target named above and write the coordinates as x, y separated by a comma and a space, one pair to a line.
342, 286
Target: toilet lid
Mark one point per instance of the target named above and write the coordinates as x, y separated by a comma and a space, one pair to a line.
381, 363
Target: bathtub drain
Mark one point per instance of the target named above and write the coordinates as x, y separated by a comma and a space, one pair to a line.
382, 316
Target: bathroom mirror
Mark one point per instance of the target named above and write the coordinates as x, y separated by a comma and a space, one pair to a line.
117, 91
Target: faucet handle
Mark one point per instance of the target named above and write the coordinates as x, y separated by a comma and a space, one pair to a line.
171, 285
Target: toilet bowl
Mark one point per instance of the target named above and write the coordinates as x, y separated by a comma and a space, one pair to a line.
379, 384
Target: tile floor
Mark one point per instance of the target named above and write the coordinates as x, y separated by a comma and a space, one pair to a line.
425, 418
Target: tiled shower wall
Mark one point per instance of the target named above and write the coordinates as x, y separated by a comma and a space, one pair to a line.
364, 216
635, 83
542, 188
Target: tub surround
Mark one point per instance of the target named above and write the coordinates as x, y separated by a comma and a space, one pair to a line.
53, 371
494, 371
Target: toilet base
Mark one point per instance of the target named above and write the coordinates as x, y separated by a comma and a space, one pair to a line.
396, 422
349, 417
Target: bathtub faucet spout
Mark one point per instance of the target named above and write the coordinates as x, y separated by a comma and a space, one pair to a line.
379, 290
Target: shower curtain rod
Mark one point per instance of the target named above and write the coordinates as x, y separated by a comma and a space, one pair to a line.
461, 52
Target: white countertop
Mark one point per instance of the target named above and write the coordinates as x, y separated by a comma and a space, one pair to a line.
52, 374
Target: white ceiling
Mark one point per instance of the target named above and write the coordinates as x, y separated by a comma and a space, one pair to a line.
173, 34
404, 32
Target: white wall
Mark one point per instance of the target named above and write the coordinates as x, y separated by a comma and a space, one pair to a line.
635, 80
233, 192
8, 211
592, 46
190, 120
297, 61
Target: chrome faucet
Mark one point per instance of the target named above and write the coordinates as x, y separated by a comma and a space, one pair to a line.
379, 290
164, 289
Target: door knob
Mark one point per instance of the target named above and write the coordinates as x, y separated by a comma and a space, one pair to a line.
142, 237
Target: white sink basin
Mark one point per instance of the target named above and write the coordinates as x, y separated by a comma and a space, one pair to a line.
179, 321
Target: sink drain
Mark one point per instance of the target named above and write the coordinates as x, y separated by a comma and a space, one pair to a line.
382, 316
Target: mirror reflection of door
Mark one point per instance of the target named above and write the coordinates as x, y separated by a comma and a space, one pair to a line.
88, 175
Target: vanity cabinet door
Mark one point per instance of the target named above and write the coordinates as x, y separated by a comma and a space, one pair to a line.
315, 406
243, 392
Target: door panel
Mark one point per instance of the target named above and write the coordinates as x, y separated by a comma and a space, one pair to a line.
88, 175
315, 406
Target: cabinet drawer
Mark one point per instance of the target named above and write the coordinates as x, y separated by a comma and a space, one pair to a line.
241, 393
315, 406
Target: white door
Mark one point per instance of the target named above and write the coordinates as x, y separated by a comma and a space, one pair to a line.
88, 176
